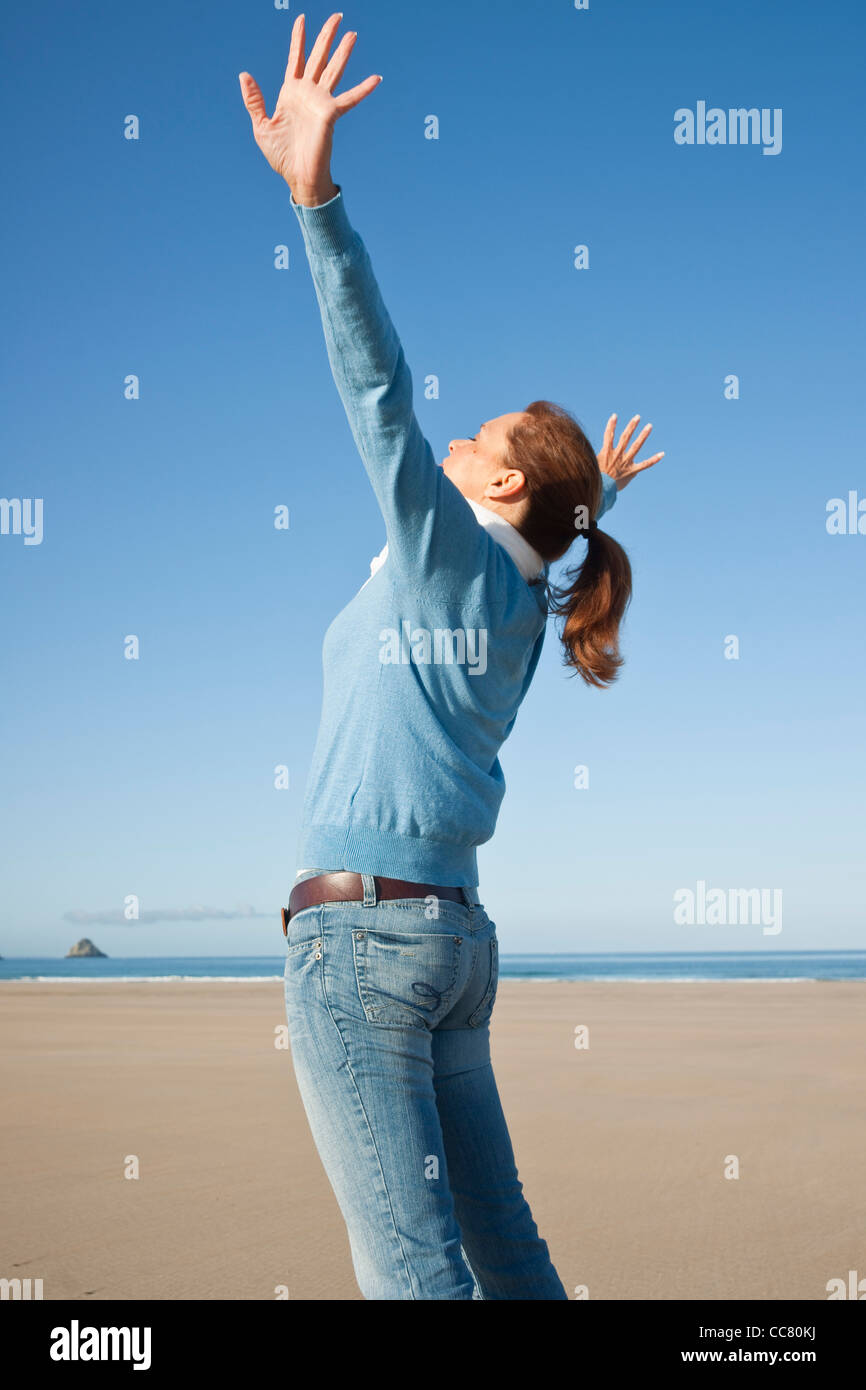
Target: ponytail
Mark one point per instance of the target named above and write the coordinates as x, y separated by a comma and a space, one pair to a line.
593, 601
562, 475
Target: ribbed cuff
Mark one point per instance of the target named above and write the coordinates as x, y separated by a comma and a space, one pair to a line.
326, 228
609, 491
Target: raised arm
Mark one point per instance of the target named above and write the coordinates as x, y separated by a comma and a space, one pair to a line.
430, 526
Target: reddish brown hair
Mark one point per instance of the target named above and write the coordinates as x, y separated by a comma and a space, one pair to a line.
563, 480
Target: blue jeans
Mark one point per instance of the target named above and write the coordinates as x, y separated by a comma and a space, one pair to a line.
389, 1005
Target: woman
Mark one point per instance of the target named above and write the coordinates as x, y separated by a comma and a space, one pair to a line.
391, 961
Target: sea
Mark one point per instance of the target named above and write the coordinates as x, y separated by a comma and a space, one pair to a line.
664, 967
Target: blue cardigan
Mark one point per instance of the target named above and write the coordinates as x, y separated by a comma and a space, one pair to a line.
426, 667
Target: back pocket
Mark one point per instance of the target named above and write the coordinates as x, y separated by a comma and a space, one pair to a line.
406, 979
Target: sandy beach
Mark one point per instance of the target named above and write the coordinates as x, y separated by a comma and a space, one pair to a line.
622, 1147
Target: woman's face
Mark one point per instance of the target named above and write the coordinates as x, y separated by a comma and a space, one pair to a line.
478, 466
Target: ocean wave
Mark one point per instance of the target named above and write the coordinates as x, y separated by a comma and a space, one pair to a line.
142, 979
676, 979
504, 975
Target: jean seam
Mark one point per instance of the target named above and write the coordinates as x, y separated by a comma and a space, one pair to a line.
372, 1137
492, 985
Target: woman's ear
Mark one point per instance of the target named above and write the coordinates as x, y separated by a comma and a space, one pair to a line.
508, 485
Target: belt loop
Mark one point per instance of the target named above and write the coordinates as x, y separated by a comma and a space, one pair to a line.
369, 883
470, 896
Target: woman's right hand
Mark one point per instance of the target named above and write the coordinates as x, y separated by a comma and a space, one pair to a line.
297, 139
619, 462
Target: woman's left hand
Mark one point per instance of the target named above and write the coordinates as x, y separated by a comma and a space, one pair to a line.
296, 140
620, 461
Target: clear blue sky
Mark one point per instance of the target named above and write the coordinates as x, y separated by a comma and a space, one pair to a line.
155, 257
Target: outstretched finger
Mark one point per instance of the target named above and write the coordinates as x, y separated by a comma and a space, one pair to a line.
319, 56
638, 443
253, 99
628, 432
609, 431
337, 66
346, 100
647, 463
295, 65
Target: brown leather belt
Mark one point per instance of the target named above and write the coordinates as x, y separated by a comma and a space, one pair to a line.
345, 887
